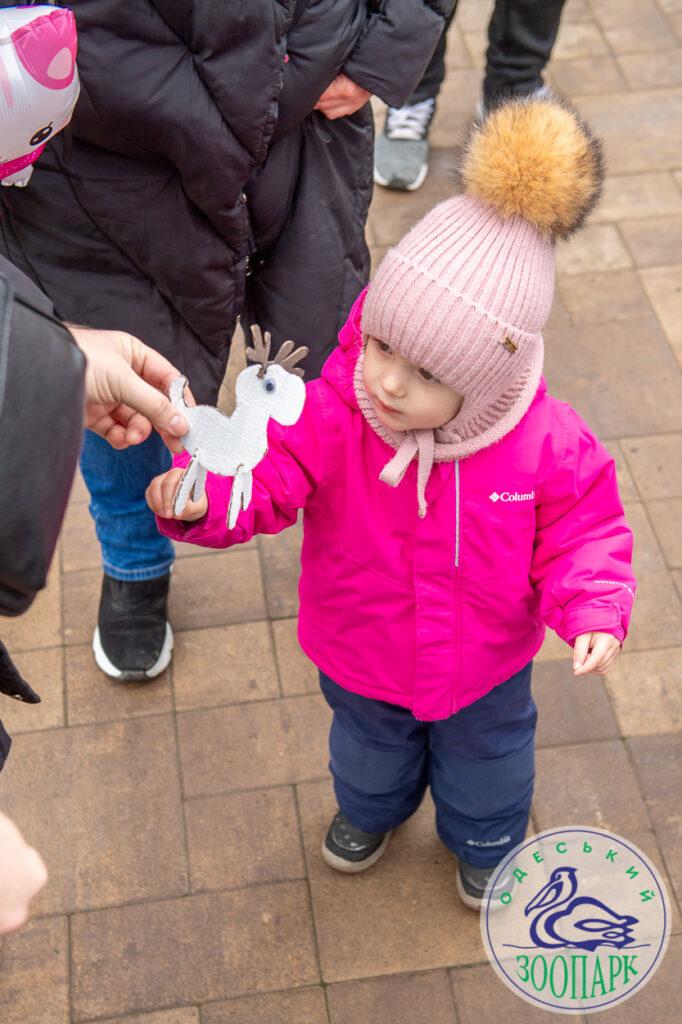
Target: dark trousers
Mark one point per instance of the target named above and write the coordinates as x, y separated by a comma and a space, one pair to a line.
479, 763
521, 35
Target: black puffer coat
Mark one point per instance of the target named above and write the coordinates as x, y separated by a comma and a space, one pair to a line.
196, 183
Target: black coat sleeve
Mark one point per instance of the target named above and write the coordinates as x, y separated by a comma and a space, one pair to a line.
396, 46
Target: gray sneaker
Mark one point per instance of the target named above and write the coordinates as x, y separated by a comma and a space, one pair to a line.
401, 151
349, 849
471, 884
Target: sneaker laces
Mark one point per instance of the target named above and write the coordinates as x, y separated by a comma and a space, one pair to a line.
409, 122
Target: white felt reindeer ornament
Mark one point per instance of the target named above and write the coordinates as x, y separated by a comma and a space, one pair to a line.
234, 445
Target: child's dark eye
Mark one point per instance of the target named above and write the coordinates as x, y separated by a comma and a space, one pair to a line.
383, 347
425, 375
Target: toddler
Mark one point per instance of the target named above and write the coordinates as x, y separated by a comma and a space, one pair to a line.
452, 508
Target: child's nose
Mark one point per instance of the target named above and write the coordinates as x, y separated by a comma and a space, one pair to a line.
394, 382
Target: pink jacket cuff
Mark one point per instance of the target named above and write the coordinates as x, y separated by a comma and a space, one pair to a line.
594, 618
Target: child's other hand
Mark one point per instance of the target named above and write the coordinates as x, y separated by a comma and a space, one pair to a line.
161, 493
594, 652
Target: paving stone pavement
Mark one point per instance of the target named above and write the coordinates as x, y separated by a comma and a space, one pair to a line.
181, 820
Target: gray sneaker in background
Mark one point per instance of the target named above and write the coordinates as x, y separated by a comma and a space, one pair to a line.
401, 151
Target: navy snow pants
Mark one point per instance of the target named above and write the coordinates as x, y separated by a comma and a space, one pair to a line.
479, 763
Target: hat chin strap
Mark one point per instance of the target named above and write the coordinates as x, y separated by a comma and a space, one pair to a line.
421, 441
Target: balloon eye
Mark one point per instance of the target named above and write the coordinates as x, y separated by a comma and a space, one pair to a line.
40, 135
269, 384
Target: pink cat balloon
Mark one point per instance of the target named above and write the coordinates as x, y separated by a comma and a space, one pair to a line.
38, 84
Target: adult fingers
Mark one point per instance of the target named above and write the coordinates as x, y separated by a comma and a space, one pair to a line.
138, 428
151, 403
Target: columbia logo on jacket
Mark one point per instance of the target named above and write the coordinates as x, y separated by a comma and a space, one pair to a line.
512, 496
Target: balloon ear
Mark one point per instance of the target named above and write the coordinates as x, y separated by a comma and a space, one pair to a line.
47, 47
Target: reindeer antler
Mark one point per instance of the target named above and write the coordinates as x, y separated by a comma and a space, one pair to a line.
288, 356
260, 353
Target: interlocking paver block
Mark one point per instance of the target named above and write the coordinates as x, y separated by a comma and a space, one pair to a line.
80, 596
651, 194
34, 974
44, 671
297, 673
657, 614
224, 665
646, 693
643, 72
658, 763
281, 560
622, 378
588, 784
40, 626
239, 839
586, 74
94, 697
205, 947
641, 130
599, 298
570, 709
182, 1015
267, 743
480, 995
299, 1006
102, 804
664, 287
632, 25
654, 241
597, 247
579, 39
659, 1000
655, 464
401, 999
666, 517
217, 590
80, 548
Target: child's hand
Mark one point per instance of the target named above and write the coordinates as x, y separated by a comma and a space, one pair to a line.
161, 493
594, 652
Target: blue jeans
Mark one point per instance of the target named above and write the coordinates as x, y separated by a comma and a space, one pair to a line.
479, 763
132, 547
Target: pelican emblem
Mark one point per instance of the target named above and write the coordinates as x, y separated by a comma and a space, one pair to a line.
563, 920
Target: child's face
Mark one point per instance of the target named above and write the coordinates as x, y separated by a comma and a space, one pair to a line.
406, 397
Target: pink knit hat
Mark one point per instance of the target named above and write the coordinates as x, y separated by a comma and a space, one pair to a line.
466, 293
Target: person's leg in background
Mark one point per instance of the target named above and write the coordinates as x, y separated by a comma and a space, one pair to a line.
133, 639
401, 151
378, 760
481, 772
521, 36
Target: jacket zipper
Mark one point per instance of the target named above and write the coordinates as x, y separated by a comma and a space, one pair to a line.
456, 513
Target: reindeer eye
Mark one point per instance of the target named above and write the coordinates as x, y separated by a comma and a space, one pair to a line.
269, 384
40, 135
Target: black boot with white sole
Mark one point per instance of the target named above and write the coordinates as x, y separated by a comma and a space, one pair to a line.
133, 639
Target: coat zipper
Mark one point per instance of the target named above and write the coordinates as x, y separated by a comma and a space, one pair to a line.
456, 513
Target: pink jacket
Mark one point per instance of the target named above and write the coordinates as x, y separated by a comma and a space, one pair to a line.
433, 613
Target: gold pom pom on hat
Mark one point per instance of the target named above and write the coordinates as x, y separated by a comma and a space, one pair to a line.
537, 159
